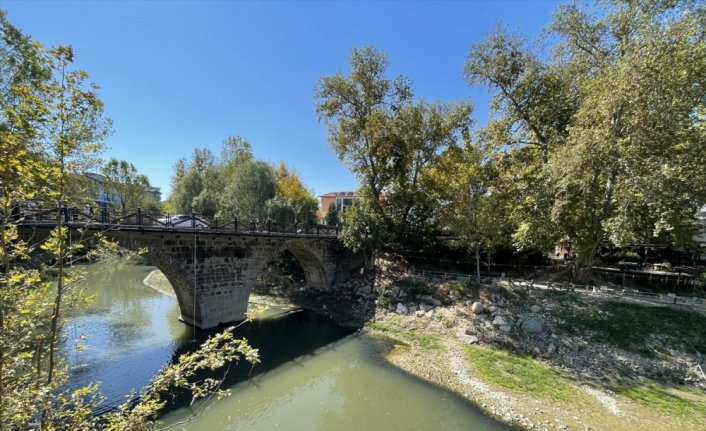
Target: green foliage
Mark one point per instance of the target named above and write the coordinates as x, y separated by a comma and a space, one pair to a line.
237, 185
123, 179
520, 373
51, 129
213, 354
473, 198
290, 192
362, 230
467, 288
332, 215
153, 206
388, 140
247, 190
196, 184
413, 286
601, 144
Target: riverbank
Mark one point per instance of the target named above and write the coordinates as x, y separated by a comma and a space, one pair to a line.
157, 281
533, 358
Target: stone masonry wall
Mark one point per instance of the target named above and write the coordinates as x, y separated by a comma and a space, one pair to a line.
221, 269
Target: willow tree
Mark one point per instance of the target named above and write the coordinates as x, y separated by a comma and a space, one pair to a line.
606, 139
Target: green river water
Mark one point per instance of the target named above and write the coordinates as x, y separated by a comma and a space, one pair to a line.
314, 375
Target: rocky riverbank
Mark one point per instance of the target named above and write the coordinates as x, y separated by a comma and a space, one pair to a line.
532, 358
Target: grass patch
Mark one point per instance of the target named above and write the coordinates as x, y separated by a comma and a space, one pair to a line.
629, 326
428, 342
673, 401
520, 373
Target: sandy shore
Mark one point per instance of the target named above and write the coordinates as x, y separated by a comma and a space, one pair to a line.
157, 281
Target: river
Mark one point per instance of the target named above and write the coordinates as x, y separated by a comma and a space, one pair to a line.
314, 374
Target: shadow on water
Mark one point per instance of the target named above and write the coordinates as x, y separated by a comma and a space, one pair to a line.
279, 339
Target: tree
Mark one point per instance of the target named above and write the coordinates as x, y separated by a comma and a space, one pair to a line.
332, 215
290, 188
363, 230
532, 108
604, 140
197, 184
122, 178
388, 139
423, 131
52, 128
357, 111
247, 191
472, 199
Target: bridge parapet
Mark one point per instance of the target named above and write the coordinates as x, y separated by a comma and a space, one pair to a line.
105, 218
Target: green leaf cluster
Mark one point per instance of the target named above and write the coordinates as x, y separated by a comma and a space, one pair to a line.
236, 185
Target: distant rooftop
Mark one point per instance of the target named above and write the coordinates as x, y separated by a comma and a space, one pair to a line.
340, 194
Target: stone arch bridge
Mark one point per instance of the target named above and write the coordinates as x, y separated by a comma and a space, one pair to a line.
213, 271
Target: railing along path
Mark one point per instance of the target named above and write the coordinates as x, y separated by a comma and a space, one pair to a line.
493, 279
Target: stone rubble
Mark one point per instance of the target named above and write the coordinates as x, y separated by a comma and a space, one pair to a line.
525, 326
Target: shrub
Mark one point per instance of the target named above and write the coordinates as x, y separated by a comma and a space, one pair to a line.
413, 286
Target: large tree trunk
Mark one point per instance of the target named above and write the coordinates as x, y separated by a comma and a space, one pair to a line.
586, 252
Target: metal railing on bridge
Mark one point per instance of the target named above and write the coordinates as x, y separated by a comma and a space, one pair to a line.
111, 218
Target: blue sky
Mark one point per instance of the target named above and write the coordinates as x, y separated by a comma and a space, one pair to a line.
180, 75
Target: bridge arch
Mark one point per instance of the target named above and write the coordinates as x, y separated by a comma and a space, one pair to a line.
317, 273
213, 273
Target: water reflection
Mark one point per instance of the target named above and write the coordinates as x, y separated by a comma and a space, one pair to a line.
314, 375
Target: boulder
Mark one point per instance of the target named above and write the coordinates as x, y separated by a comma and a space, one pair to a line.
535, 308
390, 293
425, 307
411, 307
503, 302
492, 309
505, 328
477, 307
551, 348
420, 313
433, 301
467, 339
499, 321
429, 313
401, 308
532, 325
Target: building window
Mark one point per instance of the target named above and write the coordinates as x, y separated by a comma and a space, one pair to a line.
342, 204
